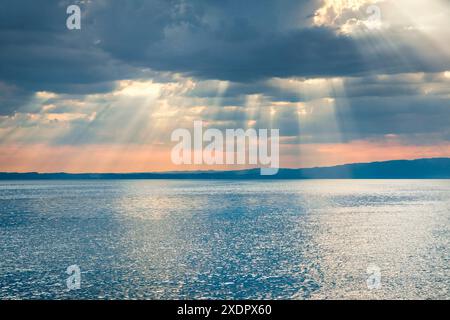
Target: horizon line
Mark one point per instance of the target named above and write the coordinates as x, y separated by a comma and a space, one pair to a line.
222, 171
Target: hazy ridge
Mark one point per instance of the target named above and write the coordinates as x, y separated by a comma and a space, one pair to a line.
434, 168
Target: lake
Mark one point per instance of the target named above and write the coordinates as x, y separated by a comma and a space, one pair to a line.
197, 239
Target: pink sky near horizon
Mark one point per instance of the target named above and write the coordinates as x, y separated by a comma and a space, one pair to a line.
141, 158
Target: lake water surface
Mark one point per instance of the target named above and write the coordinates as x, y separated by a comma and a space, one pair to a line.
172, 239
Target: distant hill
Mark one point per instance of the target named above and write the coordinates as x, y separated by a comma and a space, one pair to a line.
435, 168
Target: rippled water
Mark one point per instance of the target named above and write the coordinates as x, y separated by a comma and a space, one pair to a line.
225, 239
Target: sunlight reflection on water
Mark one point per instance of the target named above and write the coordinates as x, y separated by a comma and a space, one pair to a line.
225, 239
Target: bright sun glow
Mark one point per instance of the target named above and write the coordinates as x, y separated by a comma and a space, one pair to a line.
336, 12
138, 88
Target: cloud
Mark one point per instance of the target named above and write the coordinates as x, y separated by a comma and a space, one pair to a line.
38, 53
307, 111
256, 40
231, 40
12, 98
138, 69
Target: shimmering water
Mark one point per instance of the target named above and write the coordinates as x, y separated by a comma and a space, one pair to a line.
225, 239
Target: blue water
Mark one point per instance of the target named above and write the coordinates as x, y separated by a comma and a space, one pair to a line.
225, 239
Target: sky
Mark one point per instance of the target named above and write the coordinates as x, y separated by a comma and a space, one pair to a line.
344, 81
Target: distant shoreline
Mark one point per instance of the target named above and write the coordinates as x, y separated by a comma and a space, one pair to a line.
432, 168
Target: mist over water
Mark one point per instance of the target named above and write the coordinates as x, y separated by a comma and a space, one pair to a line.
173, 239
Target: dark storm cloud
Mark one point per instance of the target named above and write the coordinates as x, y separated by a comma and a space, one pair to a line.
241, 41
38, 53
403, 115
409, 118
250, 40
229, 40
232, 40
12, 98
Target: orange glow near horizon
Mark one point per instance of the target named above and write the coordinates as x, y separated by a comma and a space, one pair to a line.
141, 158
